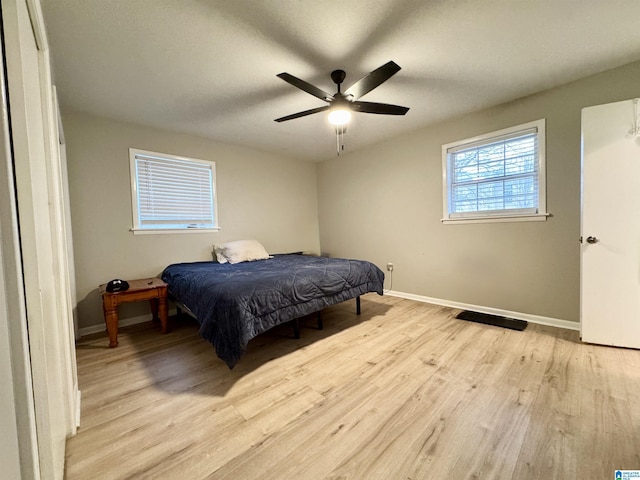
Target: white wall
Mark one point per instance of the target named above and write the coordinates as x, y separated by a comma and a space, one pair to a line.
384, 204
261, 196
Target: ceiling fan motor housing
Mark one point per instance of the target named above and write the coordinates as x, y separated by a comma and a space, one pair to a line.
338, 77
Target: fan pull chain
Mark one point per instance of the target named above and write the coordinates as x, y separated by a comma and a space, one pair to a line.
635, 129
340, 138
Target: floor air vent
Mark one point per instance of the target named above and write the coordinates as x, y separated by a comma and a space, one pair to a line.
496, 320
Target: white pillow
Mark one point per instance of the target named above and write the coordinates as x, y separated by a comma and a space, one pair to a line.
217, 251
240, 251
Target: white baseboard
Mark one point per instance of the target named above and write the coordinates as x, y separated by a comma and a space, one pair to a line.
553, 322
125, 322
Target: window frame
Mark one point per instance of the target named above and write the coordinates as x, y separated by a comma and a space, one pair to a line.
138, 228
505, 215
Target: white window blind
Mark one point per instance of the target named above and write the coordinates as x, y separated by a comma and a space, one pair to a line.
499, 174
172, 192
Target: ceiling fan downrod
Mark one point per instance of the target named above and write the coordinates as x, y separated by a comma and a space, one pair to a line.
338, 77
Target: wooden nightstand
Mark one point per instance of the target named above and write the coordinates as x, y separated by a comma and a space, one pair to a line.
152, 289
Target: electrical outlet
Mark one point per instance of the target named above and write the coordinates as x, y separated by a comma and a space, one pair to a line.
389, 267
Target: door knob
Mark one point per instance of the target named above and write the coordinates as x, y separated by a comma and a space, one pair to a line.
592, 240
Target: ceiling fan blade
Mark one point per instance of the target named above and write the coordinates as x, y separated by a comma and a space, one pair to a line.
379, 108
307, 87
302, 114
373, 79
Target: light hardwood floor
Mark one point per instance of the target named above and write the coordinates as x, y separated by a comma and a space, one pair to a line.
404, 391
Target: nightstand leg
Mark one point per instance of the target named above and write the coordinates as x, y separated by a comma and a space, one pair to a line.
163, 307
111, 319
154, 309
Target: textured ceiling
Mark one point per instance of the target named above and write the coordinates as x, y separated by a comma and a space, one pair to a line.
208, 67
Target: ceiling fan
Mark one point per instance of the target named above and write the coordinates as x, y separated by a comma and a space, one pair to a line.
340, 105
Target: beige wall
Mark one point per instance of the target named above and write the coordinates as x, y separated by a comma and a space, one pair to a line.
384, 204
261, 196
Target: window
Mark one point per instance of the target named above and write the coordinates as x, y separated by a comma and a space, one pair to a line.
170, 193
498, 176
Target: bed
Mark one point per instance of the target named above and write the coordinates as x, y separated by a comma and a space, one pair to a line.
236, 302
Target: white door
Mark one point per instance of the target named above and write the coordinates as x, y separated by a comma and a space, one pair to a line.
39, 196
610, 249
18, 445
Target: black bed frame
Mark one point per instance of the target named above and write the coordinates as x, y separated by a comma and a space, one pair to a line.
181, 309
296, 322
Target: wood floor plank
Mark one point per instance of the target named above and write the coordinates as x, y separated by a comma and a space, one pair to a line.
403, 391
581, 416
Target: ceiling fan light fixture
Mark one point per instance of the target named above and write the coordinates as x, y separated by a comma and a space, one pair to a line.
339, 116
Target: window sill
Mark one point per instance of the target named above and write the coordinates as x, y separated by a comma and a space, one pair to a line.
534, 217
162, 231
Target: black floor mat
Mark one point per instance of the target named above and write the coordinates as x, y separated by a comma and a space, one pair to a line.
496, 320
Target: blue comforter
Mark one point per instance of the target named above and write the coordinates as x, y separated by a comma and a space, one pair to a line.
234, 303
